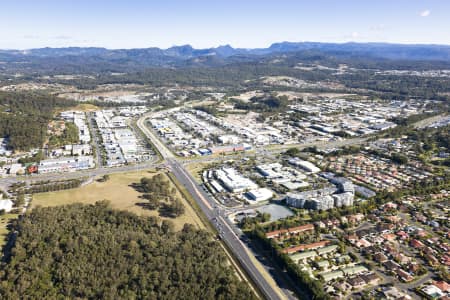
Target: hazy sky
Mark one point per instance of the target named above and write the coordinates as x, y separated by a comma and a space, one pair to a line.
207, 23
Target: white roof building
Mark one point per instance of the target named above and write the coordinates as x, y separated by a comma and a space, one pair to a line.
433, 291
6, 205
65, 164
15, 168
295, 185
306, 165
229, 139
261, 194
233, 181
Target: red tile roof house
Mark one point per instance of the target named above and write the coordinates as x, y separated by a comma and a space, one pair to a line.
446, 260
430, 251
290, 231
442, 285
391, 248
417, 244
389, 236
402, 259
356, 218
413, 267
305, 247
421, 233
275, 234
380, 257
405, 276
402, 235
363, 243
445, 247
432, 259
300, 229
352, 238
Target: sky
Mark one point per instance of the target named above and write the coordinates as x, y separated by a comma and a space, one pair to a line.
113, 24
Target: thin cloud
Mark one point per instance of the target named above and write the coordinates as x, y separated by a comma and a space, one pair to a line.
379, 27
425, 13
62, 37
31, 37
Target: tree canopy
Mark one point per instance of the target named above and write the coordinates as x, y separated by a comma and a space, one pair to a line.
24, 117
94, 252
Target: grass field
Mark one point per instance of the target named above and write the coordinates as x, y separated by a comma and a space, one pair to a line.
121, 195
4, 221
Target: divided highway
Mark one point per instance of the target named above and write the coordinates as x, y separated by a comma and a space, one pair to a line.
214, 214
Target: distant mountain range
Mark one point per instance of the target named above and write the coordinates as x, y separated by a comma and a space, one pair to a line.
91, 59
382, 50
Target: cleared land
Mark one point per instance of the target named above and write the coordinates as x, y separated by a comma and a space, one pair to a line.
120, 193
85, 107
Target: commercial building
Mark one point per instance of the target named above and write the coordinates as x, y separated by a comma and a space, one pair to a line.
343, 184
288, 177
305, 165
120, 142
217, 187
82, 149
230, 148
65, 164
261, 194
16, 169
228, 139
233, 181
323, 203
343, 199
323, 199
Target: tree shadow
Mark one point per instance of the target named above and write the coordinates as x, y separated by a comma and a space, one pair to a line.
137, 187
165, 210
146, 205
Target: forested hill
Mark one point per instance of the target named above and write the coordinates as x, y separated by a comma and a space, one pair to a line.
24, 117
94, 252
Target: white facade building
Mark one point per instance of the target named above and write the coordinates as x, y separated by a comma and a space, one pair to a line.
306, 165
261, 194
65, 164
233, 181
